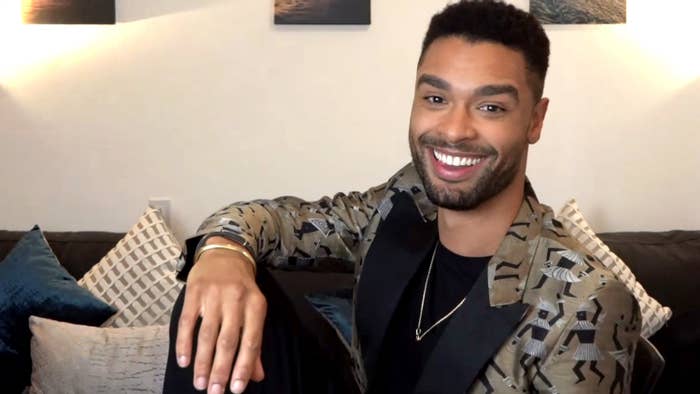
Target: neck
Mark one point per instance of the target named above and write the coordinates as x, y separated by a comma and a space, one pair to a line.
480, 231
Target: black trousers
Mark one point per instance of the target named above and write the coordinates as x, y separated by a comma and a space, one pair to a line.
292, 358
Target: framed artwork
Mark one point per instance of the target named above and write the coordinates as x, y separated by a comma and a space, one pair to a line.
68, 11
322, 12
579, 11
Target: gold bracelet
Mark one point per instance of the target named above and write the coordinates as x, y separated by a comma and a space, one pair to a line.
234, 248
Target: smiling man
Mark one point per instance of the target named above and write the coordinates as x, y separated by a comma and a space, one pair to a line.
465, 282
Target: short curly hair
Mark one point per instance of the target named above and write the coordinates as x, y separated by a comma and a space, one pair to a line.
494, 21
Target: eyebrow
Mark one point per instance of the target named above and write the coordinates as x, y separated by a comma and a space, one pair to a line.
481, 91
433, 81
495, 90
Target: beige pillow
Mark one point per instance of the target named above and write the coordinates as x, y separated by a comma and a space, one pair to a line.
654, 315
138, 275
71, 358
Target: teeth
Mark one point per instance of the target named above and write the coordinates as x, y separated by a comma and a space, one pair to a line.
456, 161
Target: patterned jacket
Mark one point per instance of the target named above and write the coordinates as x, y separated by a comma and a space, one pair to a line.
545, 316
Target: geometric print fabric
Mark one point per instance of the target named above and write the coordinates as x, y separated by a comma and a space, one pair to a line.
138, 275
654, 315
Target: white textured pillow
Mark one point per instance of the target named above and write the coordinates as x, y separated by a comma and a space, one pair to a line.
654, 315
138, 275
70, 358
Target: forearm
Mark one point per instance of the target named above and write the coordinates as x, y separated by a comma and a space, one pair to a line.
273, 230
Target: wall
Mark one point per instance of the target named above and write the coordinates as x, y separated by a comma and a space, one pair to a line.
208, 102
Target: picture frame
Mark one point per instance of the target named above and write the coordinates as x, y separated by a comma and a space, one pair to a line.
68, 11
579, 12
322, 12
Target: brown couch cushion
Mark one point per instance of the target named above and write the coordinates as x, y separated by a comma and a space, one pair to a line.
667, 264
77, 251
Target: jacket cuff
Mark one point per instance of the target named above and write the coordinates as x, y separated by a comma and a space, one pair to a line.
194, 243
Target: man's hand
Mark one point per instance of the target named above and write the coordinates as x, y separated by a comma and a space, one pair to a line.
221, 289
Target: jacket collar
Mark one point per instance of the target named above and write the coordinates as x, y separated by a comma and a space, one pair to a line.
472, 336
510, 265
401, 242
493, 308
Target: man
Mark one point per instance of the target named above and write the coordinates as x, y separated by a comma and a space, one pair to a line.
465, 282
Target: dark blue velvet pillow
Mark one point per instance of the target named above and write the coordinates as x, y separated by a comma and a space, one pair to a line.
336, 308
32, 282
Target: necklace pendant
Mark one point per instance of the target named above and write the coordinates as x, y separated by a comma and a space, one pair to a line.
418, 332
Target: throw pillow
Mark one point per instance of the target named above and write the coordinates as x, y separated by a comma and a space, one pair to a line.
138, 275
336, 308
70, 358
32, 282
654, 315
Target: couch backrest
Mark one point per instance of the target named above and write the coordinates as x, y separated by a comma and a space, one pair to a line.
77, 251
667, 264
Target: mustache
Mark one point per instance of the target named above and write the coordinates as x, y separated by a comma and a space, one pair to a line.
464, 147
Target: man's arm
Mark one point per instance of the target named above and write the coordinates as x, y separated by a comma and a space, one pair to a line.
275, 230
221, 288
595, 351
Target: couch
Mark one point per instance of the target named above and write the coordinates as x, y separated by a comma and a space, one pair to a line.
666, 263
105, 332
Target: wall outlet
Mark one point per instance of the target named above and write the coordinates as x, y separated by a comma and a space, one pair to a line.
162, 204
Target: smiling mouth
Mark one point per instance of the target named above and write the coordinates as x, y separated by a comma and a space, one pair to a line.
456, 160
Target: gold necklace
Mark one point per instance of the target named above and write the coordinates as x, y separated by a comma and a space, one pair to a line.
419, 332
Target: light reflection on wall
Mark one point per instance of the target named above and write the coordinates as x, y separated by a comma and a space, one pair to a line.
32, 48
666, 33
660, 33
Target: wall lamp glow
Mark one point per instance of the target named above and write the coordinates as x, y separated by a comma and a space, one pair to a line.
68, 11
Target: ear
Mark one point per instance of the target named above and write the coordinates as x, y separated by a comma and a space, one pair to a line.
538, 113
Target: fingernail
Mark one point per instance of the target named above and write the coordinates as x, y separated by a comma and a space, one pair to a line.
216, 389
182, 361
200, 383
237, 387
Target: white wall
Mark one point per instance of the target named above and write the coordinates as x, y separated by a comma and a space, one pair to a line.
208, 103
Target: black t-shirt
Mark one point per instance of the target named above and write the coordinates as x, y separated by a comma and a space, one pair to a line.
402, 358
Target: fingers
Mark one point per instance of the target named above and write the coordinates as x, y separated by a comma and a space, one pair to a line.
248, 361
226, 346
258, 372
232, 311
206, 341
185, 330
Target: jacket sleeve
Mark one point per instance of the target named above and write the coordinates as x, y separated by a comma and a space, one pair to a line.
275, 230
595, 351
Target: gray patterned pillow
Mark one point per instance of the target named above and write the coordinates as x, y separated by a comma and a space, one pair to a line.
138, 275
654, 315
71, 358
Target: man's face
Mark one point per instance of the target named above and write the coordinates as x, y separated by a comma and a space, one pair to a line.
472, 119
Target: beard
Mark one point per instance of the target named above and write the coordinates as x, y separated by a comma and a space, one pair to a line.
494, 178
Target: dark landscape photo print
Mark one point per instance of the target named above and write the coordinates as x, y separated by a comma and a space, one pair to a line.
579, 11
322, 12
68, 11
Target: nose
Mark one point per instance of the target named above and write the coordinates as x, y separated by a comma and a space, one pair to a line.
458, 124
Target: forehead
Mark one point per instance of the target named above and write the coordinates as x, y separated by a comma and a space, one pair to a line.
469, 64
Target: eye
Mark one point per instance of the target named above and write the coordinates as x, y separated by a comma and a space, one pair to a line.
492, 108
434, 99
